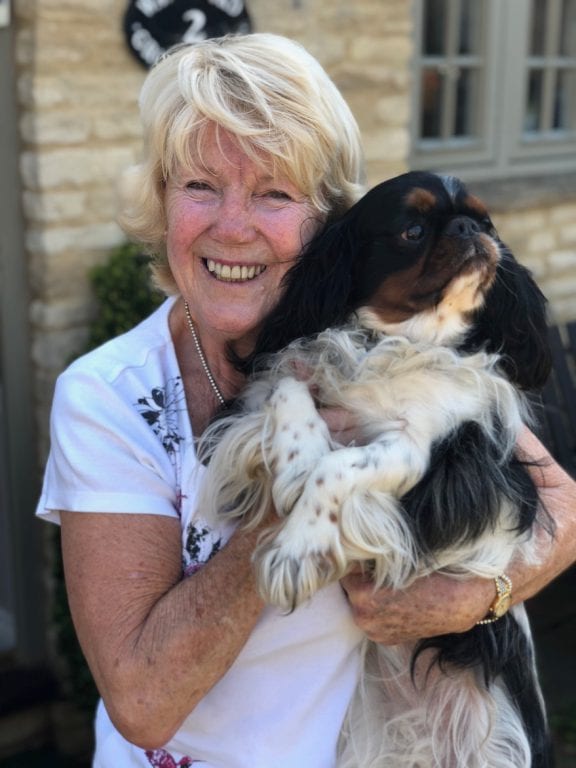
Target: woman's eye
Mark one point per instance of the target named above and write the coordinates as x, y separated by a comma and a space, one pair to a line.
413, 232
198, 186
277, 194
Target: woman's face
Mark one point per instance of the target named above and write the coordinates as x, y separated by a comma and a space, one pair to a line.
233, 231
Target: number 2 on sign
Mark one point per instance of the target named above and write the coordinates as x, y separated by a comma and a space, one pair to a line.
195, 31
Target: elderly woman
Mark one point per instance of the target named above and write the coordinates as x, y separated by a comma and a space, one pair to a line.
249, 148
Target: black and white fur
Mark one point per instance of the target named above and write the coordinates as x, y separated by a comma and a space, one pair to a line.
410, 313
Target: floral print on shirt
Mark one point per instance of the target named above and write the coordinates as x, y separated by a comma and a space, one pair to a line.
159, 758
200, 545
161, 409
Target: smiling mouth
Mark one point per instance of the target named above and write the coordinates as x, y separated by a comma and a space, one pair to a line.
233, 274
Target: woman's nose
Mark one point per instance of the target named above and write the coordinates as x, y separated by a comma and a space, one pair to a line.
234, 220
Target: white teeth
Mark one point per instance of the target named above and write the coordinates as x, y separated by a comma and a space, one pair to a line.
231, 274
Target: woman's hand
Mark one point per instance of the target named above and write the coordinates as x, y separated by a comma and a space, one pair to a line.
437, 604
557, 491
433, 605
343, 426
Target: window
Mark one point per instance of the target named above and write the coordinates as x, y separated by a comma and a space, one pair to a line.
495, 86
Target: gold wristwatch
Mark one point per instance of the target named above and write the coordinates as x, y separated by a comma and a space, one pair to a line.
501, 602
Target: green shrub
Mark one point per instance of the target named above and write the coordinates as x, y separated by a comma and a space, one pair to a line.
123, 293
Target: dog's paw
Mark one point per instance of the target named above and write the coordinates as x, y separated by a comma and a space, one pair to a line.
296, 562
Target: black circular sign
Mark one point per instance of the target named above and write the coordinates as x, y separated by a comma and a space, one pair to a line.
153, 26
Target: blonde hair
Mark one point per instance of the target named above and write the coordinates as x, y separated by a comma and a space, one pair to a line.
276, 100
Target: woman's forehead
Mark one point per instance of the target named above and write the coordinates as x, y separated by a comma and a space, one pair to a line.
215, 150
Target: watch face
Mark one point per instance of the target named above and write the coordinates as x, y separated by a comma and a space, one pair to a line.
151, 27
501, 605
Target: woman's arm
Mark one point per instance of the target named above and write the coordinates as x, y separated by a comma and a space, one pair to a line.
438, 605
155, 642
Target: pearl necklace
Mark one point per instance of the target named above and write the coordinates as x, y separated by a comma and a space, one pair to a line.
207, 371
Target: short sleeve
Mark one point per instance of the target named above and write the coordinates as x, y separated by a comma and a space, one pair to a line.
104, 455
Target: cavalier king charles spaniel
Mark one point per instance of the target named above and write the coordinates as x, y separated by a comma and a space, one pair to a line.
412, 315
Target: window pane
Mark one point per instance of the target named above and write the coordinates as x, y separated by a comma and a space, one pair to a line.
471, 24
568, 42
465, 123
433, 86
435, 26
564, 98
534, 105
538, 28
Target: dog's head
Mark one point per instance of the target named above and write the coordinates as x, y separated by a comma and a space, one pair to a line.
418, 256
426, 257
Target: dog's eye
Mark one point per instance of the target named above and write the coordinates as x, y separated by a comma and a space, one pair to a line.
490, 228
486, 224
413, 232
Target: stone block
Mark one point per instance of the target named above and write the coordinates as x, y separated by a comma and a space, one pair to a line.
563, 261
389, 144
567, 232
561, 288
57, 127
74, 166
394, 109
392, 51
541, 242
563, 214
56, 207
58, 315
118, 124
74, 239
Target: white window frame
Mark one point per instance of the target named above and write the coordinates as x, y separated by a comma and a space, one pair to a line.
501, 148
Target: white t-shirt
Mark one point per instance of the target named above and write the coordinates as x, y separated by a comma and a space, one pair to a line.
121, 442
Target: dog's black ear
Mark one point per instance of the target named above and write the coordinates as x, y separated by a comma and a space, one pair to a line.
513, 323
315, 294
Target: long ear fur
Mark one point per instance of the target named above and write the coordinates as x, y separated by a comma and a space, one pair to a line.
315, 296
468, 471
513, 324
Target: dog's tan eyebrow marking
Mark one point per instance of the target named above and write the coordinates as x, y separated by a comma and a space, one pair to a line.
421, 199
475, 204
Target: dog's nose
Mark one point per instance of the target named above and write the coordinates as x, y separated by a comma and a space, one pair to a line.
462, 226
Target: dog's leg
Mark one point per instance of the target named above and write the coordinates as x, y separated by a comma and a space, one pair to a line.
264, 456
346, 512
300, 437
